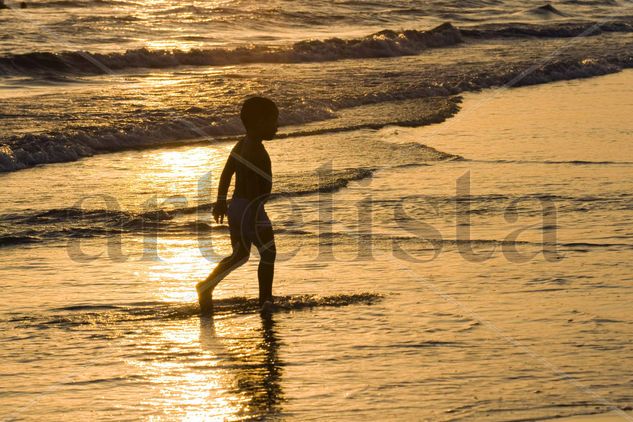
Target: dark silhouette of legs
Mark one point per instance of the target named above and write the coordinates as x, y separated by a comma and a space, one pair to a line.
241, 253
261, 234
265, 243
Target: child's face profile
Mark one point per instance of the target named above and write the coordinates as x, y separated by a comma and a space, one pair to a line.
267, 127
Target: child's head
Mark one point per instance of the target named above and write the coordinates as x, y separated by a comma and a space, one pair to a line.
259, 116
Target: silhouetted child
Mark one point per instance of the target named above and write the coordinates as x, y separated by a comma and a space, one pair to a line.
248, 221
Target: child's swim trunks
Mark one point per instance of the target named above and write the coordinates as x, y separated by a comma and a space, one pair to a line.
245, 222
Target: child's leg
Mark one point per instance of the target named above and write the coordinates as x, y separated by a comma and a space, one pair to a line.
238, 228
265, 242
225, 266
239, 256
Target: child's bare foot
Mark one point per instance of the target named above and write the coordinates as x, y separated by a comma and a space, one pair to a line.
206, 303
267, 307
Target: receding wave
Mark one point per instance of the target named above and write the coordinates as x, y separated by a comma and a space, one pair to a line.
331, 182
39, 226
24, 151
51, 225
84, 315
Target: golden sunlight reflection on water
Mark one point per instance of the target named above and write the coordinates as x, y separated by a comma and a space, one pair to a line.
186, 172
227, 369
205, 394
180, 266
184, 178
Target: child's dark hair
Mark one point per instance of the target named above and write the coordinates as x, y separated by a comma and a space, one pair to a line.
256, 108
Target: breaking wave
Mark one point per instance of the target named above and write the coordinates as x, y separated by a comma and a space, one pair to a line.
193, 125
24, 151
386, 43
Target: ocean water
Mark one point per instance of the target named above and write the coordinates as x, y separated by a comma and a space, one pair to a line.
86, 77
453, 244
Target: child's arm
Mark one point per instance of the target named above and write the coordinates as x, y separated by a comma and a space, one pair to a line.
219, 209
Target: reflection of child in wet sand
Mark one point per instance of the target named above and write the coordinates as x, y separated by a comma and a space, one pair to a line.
248, 221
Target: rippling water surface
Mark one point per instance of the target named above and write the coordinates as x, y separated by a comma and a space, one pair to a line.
446, 251
378, 315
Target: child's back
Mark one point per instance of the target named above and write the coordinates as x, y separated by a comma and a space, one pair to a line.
253, 170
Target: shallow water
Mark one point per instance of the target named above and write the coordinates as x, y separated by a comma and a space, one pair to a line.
524, 316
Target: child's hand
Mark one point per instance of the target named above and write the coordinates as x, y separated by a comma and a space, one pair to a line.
219, 211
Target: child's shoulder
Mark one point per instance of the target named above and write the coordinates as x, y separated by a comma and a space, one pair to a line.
238, 146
